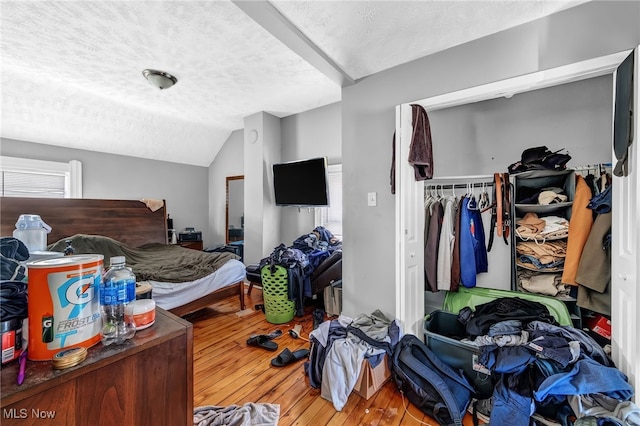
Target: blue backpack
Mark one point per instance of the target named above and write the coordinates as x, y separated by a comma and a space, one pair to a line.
430, 384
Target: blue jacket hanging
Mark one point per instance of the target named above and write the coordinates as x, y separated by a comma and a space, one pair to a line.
473, 251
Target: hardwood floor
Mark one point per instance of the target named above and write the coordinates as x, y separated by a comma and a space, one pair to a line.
228, 372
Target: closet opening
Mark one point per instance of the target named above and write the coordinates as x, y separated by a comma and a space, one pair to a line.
410, 283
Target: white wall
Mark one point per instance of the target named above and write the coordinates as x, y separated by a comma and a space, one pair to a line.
108, 176
368, 123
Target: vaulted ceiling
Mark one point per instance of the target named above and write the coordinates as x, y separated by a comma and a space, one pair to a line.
71, 71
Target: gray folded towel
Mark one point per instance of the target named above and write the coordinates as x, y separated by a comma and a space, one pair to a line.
250, 414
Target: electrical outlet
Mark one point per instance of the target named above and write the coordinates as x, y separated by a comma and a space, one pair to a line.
372, 199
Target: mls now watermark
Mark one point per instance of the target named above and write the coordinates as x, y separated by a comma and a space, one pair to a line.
24, 413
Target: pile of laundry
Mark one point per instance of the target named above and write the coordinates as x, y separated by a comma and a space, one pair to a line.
338, 348
553, 373
301, 259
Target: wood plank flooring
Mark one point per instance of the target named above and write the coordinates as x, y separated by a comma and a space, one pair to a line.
228, 372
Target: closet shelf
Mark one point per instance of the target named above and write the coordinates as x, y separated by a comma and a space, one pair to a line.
547, 208
534, 269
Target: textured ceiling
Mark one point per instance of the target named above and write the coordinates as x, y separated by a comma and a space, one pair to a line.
71, 70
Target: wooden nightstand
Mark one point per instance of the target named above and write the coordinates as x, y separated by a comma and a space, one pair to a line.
148, 380
195, 245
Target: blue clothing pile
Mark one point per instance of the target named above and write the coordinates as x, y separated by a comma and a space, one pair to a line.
542, 371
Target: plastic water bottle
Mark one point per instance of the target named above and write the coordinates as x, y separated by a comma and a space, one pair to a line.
32, 231
117, 289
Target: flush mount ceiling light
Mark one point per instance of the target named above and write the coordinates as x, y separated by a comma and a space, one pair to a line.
159, 79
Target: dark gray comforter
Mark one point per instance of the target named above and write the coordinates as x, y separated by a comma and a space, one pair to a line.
158, 262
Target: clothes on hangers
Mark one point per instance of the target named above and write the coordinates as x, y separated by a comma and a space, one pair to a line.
454, 238
579, 229
432, 243
594, 270
473, 252
455, 261
445, 248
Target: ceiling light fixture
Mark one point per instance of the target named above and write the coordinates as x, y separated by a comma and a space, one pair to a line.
159, 79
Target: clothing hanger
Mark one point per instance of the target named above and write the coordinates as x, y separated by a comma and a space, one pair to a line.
472, 204
428, 198
483, 202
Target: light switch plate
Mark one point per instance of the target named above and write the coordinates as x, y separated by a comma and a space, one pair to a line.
372, 199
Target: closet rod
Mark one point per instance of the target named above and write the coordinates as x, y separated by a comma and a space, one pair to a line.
591, 166
476, 185
460, 178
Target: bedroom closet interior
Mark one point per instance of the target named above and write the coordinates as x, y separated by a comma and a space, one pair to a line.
481, 130
536, 246
444, 197
486, 137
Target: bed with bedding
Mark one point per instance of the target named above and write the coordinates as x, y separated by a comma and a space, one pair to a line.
183, 280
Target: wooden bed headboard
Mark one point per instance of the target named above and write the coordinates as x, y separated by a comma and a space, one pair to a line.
128, 221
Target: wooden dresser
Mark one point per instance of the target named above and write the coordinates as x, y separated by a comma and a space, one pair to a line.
146, 381
194, 245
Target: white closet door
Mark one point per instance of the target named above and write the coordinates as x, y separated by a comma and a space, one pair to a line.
409, 231
625, 256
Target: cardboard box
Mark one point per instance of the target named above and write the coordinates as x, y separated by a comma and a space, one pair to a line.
333, 298
372, 379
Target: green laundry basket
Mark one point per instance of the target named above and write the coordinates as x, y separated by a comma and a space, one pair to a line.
278, 309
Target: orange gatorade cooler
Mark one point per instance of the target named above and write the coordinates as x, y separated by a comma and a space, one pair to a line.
63, 304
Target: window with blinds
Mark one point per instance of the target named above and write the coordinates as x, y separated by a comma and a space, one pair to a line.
331, 217
21, 177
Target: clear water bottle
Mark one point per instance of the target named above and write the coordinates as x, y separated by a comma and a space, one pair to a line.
117, 289
32, 231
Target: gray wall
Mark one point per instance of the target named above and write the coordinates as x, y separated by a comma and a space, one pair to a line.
262, 141
311, 134
486, 137
111, 176
368, 122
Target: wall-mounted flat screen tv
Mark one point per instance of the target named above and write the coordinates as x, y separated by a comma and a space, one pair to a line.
301, 183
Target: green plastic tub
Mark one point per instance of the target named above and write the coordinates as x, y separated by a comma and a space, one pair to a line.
472, 297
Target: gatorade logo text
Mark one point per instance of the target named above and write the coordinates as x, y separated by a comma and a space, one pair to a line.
78, 291
73, 296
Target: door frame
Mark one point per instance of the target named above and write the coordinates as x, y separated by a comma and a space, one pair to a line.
409, 285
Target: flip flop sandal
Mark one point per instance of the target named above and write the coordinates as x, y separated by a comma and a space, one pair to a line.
262, 341
287, 357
